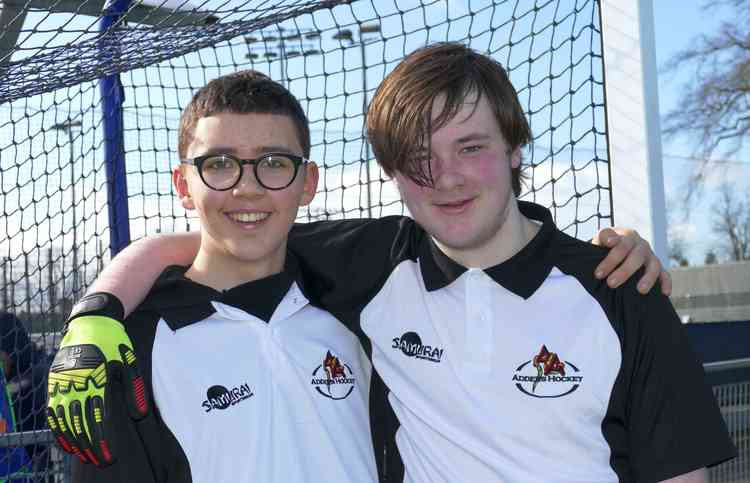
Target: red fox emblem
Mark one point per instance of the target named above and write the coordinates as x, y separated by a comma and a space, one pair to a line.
547, 362
333, 366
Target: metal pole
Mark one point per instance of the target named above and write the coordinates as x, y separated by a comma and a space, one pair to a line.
282, 58
113, 97
5, 284
28, 283
364, 125
75, 222
51, 289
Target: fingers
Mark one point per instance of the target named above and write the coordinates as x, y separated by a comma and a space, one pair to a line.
623, 251
79, 430
95, 421
57, 433
601, 239
135, 389
653, 269
59, 426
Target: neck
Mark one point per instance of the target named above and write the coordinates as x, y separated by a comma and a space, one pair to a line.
515, 233
224, 271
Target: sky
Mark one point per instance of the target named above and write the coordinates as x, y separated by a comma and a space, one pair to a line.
676, 23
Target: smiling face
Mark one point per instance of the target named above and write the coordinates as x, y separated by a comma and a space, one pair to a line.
248, 223
471, 199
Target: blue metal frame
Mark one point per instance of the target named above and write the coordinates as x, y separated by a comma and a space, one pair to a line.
113, 97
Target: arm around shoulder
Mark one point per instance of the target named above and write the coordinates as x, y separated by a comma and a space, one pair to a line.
130, 275
697, 476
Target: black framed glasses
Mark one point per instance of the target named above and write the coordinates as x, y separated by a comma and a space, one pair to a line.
222, 172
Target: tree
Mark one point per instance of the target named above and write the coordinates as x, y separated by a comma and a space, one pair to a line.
678, 247
714, 109
677, 250
731, 221
711, 258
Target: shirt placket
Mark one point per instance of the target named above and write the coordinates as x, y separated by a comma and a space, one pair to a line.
479, 329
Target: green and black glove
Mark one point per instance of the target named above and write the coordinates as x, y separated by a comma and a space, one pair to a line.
95, 354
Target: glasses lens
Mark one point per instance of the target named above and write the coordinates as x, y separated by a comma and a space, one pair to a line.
276, 171
220, 171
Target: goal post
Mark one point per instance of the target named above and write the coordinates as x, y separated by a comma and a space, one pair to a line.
633, 124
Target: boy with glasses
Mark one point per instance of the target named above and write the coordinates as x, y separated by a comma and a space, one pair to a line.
223, 343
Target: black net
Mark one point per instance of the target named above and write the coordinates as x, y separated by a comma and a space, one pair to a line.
55, 229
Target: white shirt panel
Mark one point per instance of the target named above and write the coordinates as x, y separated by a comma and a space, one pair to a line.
462, 416
290, 429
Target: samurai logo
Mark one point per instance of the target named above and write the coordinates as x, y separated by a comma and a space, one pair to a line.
411, 345
333, 378
550, 378
219, 397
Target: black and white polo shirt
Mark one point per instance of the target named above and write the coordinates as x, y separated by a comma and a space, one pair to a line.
250, 384
531, 370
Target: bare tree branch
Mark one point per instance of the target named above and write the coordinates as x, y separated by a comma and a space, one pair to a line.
731, 221
714, 107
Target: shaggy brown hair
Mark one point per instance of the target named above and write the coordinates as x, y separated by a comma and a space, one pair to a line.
399, 119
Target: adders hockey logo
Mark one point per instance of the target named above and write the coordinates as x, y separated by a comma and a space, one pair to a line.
333, 378
552, 377
411, 345
219, 397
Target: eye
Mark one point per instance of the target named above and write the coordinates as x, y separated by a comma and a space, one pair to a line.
471, 149
276, 162
218, 163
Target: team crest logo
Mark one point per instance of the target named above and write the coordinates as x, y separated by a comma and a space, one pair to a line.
333, 378
547, 376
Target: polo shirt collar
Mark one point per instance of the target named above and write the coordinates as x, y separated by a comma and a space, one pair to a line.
182, 302
521, 274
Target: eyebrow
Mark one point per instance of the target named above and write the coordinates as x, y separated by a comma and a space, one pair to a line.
272, 148
259, 150
473, 137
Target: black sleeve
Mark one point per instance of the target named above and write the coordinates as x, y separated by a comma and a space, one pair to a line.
344, 263
132, 461
673, 423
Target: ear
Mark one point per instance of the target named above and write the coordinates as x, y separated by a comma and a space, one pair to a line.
183, 189
515, 157
311, 183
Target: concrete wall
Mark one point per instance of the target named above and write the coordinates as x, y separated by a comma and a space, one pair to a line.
712, 293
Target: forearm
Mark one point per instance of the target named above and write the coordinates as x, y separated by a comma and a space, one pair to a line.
130, 275
697, 476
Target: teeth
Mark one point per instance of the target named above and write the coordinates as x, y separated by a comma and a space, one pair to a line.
248, 217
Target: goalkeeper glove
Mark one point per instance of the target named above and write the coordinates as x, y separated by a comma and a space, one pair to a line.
95, 353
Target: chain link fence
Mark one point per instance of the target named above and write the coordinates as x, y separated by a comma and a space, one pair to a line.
734, 401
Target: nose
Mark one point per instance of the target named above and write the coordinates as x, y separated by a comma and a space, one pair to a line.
447, 172
248, 184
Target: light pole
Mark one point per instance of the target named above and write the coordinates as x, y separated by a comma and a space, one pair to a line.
347, 35
67, 127
280, 40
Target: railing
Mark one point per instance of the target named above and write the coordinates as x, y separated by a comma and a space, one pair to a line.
734, 402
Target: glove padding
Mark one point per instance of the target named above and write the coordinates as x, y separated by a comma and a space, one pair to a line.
95, 354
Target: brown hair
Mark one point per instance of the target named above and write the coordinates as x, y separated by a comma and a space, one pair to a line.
399, 117
243, 92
